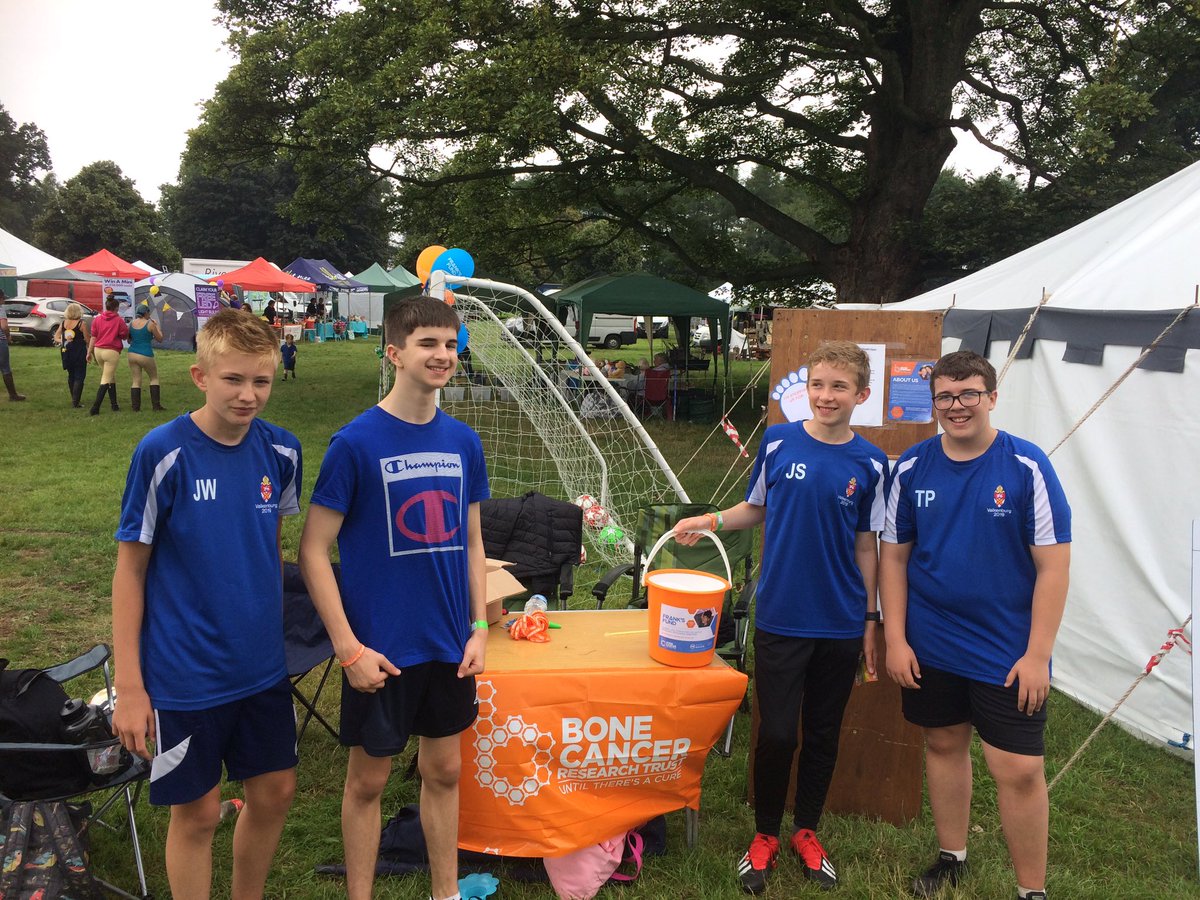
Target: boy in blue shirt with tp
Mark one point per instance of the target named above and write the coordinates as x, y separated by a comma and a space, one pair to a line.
820, 490
198, 610
973, 580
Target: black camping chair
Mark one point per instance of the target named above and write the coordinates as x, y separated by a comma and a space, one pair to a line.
306, 646
734, 629
123, 784
541, 537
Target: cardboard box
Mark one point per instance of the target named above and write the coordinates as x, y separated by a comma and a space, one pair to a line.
500, 586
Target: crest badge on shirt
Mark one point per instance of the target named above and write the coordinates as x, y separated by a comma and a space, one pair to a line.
422, 495
264, 489
999, 495
852, 487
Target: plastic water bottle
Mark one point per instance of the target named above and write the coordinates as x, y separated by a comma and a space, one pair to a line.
83, 723
536, 603
231, 808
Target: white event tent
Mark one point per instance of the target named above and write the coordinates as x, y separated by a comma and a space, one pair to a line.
25, 257
1111, 286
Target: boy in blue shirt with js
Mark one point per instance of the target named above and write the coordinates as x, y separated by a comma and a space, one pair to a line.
820, 489
399, 490
198, 626
973, 580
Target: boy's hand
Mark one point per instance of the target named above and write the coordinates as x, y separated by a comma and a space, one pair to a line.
902, 666
686, 530
133, 721
473, 655
370, 671
869, 645
1033, 679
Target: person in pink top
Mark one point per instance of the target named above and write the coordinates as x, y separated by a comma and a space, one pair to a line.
109, 331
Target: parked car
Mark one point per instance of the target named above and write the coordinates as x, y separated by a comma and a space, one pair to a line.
660, 327
33, 319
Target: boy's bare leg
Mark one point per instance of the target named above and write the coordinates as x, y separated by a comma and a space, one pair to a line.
189, 846
257, 830
366, 777
440, 763
948, 777
1024, 811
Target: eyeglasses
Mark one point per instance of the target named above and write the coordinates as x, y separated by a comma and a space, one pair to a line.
966, 398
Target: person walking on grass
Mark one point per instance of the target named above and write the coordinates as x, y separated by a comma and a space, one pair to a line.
143, 331
973, 579
109, 332
819, 488
198, 611
71, 337
399, 491
5, 368
289, 351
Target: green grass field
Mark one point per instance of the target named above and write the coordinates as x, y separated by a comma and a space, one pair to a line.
1123, 821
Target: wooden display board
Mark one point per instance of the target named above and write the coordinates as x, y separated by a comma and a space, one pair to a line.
879, 766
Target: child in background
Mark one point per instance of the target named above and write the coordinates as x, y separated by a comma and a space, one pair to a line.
288, 352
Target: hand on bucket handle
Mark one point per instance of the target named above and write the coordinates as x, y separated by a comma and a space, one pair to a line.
671, 534
688, 531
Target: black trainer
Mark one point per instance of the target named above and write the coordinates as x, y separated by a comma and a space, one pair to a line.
1035, 895
946, 869
817, 866
759, 860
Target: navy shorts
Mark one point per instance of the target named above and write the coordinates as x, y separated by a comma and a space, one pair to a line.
251, 736
428, 700
947, 699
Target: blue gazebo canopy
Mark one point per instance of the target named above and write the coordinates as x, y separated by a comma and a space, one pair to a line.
324, 275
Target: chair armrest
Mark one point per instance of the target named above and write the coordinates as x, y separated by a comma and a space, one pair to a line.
93, 659
741, 607
566, 583
600, 591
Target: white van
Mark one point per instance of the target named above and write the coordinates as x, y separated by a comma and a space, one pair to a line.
611, 331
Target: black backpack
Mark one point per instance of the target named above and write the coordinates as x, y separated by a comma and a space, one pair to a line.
42, 855
31, 705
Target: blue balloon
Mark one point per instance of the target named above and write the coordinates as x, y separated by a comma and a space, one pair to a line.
454, 261
463, 336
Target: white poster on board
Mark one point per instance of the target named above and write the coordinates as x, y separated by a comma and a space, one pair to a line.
792, 392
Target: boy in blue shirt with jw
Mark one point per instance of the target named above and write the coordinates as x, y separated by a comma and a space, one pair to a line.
399, 490
198, 610
820, 490
973, 580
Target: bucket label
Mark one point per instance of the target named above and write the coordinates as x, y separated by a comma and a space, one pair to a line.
687, 631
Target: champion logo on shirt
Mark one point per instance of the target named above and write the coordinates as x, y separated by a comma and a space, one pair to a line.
265, 489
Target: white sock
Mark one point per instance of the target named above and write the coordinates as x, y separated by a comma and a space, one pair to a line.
455, 897
1024, 892
960, 855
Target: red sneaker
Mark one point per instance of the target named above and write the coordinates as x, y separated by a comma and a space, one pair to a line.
817, 866
762, 856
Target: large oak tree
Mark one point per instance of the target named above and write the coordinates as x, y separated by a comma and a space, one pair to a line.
626, 107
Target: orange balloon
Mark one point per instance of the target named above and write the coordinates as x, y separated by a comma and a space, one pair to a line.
425, 261
449, 298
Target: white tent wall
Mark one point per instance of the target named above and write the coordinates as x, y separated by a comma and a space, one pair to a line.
368, 306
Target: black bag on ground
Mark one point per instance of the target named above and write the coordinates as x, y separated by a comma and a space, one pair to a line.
31, 704
42, 856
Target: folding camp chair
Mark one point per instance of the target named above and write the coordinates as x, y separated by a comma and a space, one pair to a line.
655, 396
541, 537
652, 523
123, 784
306, 645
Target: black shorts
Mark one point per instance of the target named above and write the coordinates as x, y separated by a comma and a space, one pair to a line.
428, 700
947, 699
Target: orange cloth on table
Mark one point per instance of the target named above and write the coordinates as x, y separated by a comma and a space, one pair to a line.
533, 627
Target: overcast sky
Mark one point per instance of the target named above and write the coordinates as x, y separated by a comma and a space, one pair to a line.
111, 79
124, 80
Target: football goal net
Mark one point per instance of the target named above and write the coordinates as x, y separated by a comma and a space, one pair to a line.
548, 418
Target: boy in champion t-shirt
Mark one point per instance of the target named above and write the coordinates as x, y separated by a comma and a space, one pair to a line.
819, 488
399, 490
973, 580
198, 610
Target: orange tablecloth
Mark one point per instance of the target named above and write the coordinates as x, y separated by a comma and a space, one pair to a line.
585, 736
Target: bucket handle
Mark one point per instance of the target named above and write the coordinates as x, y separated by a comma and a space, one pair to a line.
708, 534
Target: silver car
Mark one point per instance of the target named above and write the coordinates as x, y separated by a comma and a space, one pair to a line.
34, 319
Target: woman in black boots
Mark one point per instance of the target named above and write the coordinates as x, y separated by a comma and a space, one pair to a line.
108, 332
72, 339
143, 331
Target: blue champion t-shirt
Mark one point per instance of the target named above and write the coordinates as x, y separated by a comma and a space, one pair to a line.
212, 631
971, 574
405, 491
818, 497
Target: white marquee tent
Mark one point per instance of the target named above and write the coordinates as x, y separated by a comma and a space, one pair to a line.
1112, 285
25, 257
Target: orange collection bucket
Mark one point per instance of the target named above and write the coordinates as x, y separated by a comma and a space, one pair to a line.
685, 609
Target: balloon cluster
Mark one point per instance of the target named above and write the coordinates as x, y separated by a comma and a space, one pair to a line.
436, 258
